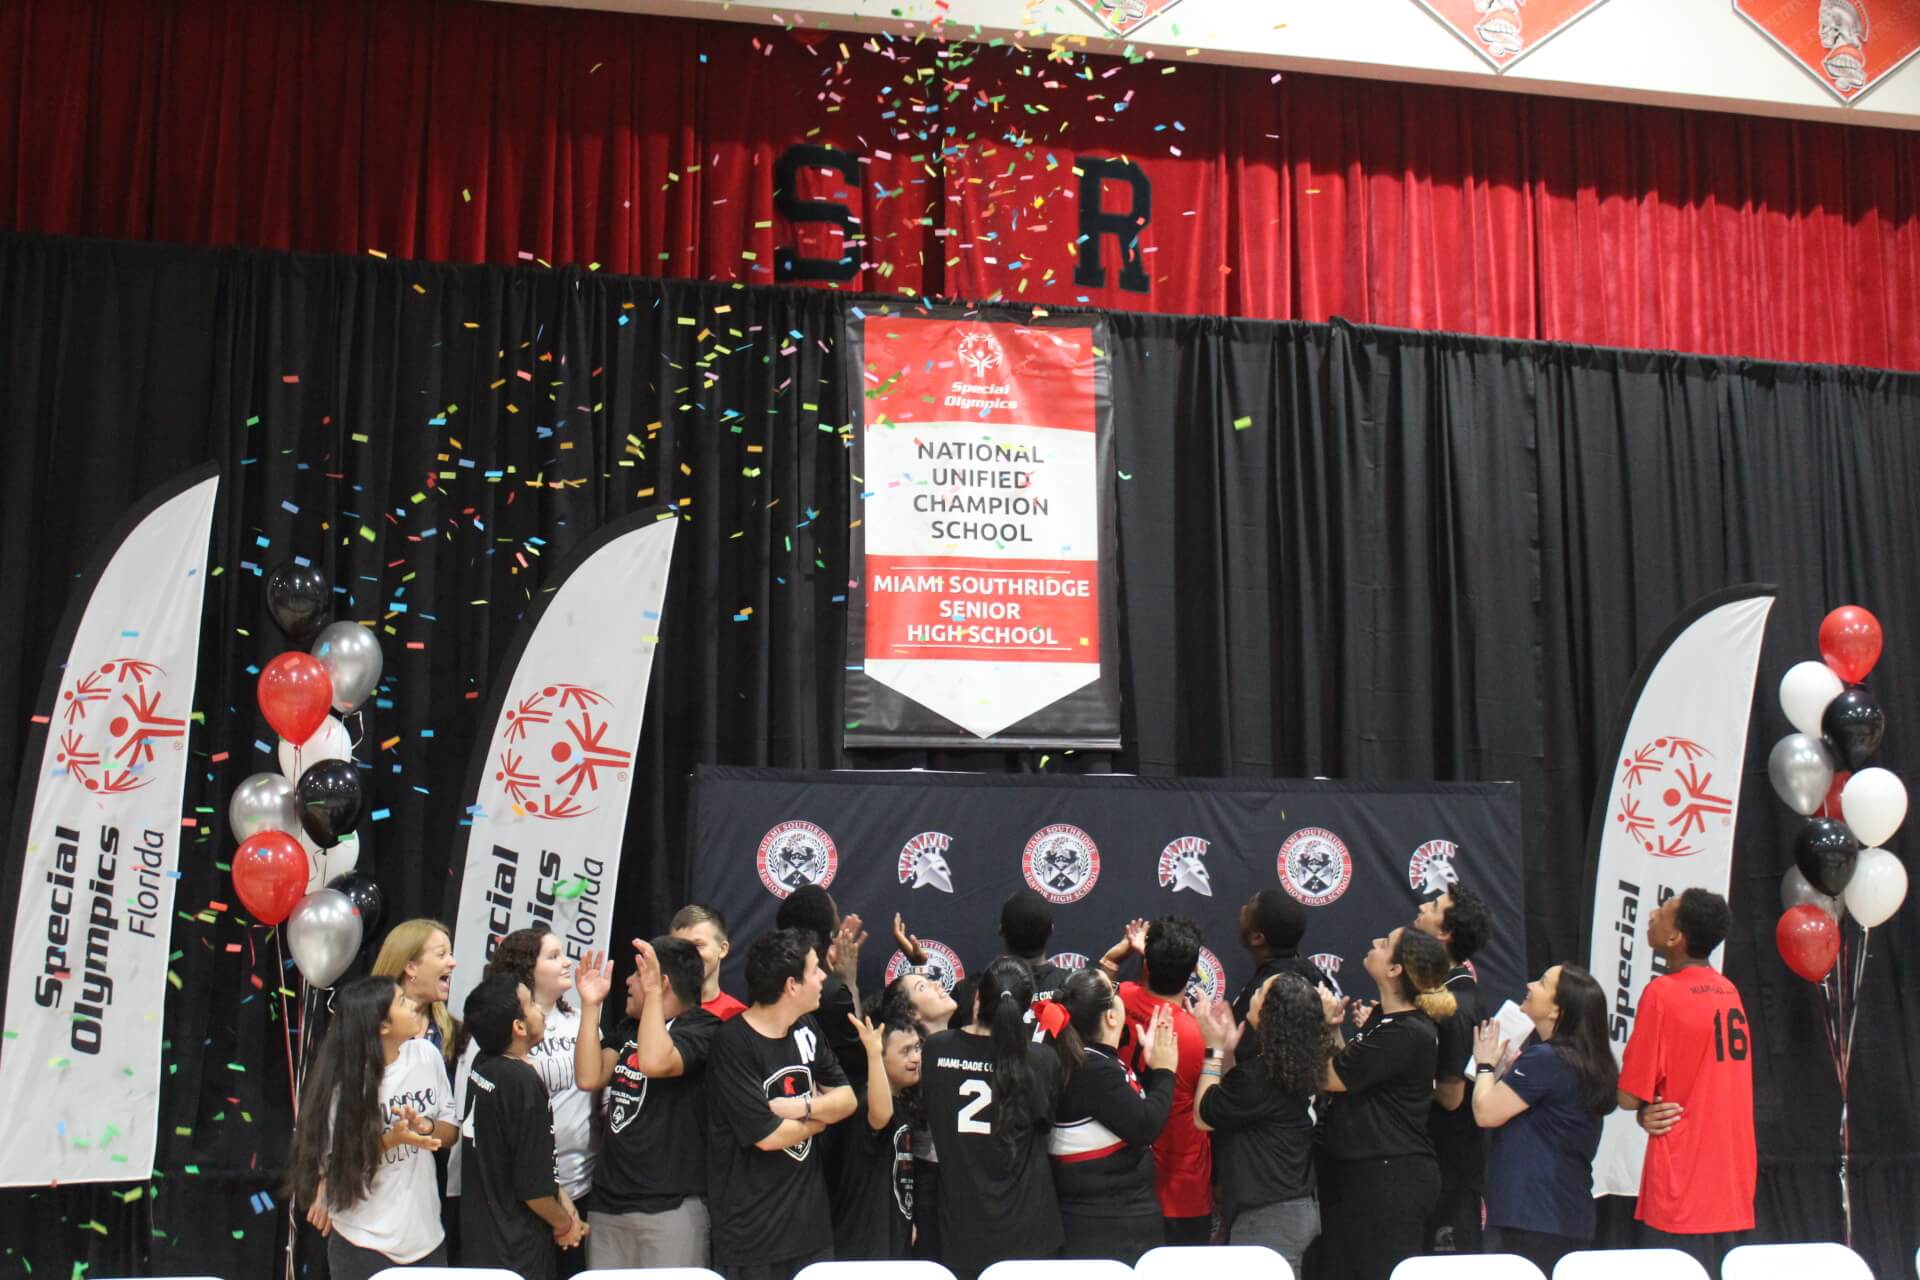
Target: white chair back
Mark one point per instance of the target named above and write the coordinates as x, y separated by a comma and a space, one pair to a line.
1641, 1264
1468, 1266
444, 1273
905, 1269
642, 1273
1057, 1269
1216, 1262
1794, 1262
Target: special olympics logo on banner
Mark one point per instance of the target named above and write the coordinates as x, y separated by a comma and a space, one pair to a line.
1315, 866
1329, 966
1431, 870
942, 965
796, 853
1181, 866
923, 861
980, 351
1209, 980
547, 756
109, 752
1071, 961
1666, 797
1061, 862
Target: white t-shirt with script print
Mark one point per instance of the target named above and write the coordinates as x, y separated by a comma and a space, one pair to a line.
400, 1216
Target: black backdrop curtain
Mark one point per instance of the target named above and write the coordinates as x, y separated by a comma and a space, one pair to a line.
1424, 557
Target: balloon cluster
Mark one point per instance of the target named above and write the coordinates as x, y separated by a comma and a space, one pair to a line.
1840, 866
285, 821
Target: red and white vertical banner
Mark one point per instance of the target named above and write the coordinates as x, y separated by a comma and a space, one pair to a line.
983, 538
1665, 822
549, 785
95, 851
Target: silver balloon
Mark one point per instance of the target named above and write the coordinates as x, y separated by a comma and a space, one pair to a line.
1796, 890
264, 802
351, 655
1801, 771
324, 935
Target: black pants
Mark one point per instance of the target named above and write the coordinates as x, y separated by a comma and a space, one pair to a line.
1708, 1250
1376, 1215
1454, 1225
1538, 1247
348, 1261
1122, 1239
1188, 1230
926, 1211
785, 1269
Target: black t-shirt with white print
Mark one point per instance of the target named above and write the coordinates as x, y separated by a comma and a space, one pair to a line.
872, 1177
506, 1160
655, 1152
1388, 1070
766, 1206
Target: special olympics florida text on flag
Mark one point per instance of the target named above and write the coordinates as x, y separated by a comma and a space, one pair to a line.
96, 847
549, 785
1666, 821
980, 613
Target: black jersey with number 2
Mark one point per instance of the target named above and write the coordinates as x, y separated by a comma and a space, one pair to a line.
994, 1203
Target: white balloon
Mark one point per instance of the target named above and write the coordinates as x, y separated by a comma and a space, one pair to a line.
1873, 804
329, 742
342, 858
1878, 887
1805, 691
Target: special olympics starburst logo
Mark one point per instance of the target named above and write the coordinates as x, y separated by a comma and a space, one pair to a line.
979, 352
555, 750
1666, 796
113, 716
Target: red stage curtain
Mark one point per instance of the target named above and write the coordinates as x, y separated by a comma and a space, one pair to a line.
466, 131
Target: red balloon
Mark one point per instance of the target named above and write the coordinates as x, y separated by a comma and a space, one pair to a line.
1809, 941
1831, 808
270, 875
1850, 642
295, 692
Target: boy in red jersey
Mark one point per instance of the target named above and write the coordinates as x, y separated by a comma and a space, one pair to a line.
1688, 1072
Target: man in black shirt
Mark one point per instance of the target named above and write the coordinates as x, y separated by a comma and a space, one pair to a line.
1459, 919
873, 1157
837, 942
1271, 926
1026, 926
650, 1186
773, 1086
512, 1211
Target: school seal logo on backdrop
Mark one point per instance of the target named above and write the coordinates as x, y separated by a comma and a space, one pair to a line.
1314, 866
1209, 980
942, 965
794, 853
1061, 862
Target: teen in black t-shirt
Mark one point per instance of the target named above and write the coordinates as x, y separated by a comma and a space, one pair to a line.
773, 1086
990, 1092
1271, 927
650, 1189
512, 1211
1461, 922
872, 1159
1257, 1108
1385, 1181
1106, 1124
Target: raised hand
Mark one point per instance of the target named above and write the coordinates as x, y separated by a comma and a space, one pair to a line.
1489, 1046
1332, 1007
405, 1131
1217, 1026
593, 978
1363, 1011
647, 965
844, 954
1163, 1047
871, 1034
909, 945
1136, 936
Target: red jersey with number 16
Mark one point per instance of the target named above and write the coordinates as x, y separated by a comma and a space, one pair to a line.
1691, 1044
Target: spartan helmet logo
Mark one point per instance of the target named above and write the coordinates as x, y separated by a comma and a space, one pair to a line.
923, 861
1499, 30
1431, 870
1843, 32
1182, 868
980, 352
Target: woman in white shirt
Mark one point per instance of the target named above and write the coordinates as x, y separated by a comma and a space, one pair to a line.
535, 957
376, 1104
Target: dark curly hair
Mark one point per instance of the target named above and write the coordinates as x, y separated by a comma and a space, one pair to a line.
1294, 1040
517, 953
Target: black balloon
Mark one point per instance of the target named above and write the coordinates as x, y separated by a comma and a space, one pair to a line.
1825, 852
300, 600
364, 894
1854, 726
328, 796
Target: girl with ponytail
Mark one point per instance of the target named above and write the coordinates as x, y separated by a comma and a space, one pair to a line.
375, 1105
989, 1091
1384, 1177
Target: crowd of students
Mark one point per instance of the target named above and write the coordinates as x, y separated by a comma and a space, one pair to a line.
1031, 1112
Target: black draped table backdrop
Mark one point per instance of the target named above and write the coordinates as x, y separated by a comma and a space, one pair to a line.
1364, 554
